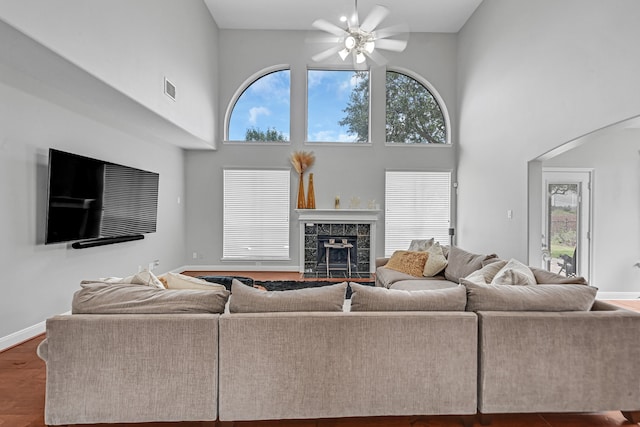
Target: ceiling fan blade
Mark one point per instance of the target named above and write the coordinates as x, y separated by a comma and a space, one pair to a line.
374, 18
377, 57
319, 57
394, 30
327, 26
354, 21
394, 45
326, 40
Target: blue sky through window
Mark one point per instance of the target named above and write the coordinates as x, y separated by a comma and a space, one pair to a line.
265, 104
328, 94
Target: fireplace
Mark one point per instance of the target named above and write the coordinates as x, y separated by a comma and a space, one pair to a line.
339, 258
318, 226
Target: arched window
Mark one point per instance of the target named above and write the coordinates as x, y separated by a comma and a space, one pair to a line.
413, 114
262, 111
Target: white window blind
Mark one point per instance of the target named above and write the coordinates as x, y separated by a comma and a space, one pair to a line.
256, 214
417, 206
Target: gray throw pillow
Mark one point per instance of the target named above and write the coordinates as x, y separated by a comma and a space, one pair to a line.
462, 263
367, 298
529, 298
549, 278
122, 298
246, 299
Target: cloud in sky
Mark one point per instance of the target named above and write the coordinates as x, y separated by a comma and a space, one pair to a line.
256, 112
274, 86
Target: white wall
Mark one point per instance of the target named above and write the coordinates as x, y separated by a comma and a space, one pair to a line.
531, 76
132, 46
615, 158
39, 280
345, 170
85, 115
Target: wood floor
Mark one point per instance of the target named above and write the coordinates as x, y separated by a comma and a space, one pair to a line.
22, 388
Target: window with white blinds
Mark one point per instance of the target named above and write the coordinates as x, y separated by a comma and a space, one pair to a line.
256, 214
417, 206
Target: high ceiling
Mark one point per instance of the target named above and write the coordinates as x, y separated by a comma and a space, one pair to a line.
440, 16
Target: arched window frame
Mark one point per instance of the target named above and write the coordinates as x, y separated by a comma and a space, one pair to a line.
238, 93
437, 97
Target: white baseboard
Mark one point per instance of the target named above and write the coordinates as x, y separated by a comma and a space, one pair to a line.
618, 295
286, 268
21, 336
26, 334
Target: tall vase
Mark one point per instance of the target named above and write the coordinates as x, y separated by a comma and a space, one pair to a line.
301, 203
311, 195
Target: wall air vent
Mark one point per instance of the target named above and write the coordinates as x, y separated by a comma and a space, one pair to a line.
169, 89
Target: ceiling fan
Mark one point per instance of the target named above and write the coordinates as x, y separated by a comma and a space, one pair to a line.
362, 40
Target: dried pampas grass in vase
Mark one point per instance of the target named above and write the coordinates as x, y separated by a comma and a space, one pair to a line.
301, 161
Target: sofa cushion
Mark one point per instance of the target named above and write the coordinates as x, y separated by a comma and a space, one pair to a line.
367, 298
246, 299
546, 277
182, 281
514, 273
462, 263
424, 284
387, 276
436, 261
529, 298
409, 262
421, 245
123, 298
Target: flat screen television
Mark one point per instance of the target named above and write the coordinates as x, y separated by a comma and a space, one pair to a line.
98, 202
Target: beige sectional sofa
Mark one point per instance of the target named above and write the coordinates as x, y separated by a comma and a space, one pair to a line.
308, 354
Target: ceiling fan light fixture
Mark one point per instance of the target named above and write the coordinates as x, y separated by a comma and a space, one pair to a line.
343, 54
360, 58
350, 42
369, 46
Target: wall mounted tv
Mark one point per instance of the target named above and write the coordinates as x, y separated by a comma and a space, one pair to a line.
94, 202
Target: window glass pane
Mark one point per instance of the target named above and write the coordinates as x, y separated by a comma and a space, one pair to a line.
413, 114
256, 214
337, 106
417, 206
262, 112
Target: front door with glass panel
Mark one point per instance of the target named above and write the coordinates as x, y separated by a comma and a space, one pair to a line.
566, 239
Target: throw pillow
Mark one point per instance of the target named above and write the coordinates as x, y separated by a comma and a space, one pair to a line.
529, 298
368, 298
462, 263
246, 299
486, 274
514, 273
420, 245
147, 278
547, 277
408, 262
122, 298
436, 261
182, 281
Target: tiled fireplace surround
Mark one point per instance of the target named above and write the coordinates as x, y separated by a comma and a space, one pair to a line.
359, 225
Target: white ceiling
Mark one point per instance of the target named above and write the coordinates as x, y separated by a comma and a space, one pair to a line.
439, 16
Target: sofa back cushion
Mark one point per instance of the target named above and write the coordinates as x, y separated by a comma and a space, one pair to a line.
123, 298
483, 297
462, 263
546, 277
246, 299
367, 298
